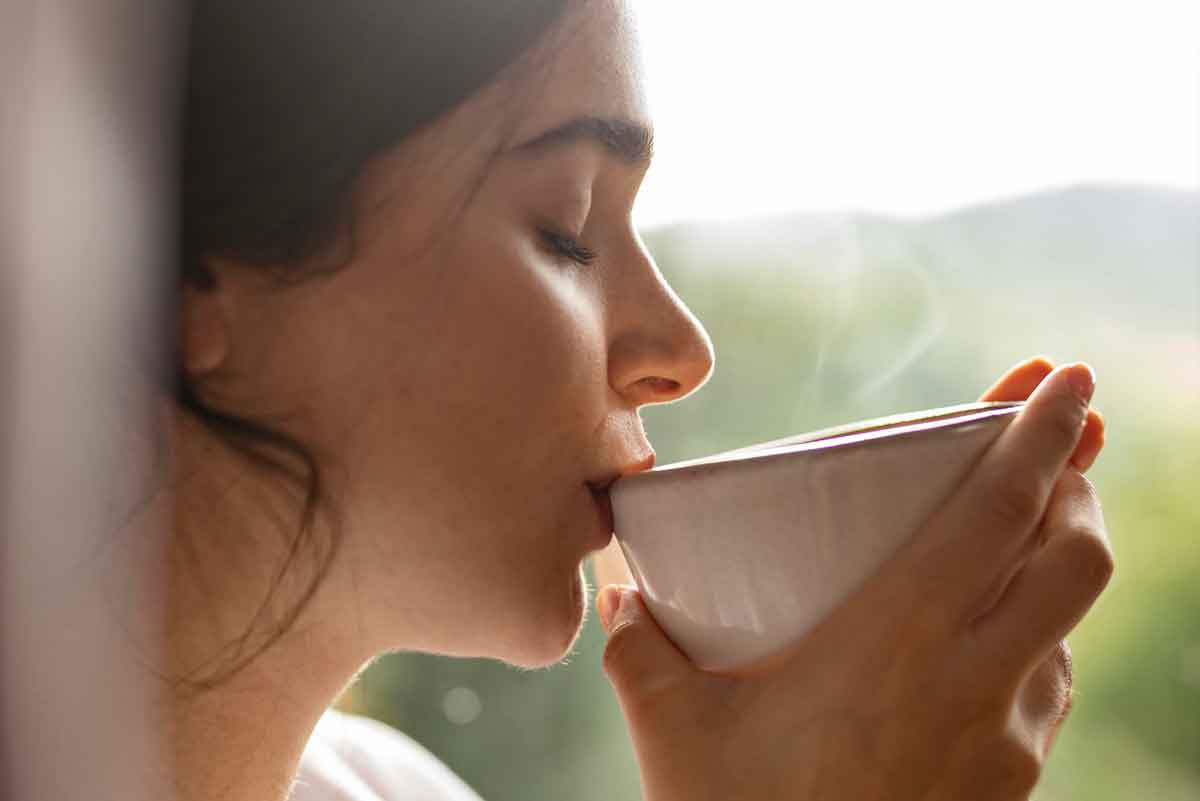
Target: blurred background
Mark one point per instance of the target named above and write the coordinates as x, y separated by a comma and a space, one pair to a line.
872, 207
878, 208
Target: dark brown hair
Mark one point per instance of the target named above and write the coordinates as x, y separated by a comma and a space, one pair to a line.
285, 102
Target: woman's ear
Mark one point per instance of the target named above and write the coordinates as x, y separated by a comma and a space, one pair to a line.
205, 330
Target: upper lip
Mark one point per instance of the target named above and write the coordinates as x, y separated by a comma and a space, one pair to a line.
602, 482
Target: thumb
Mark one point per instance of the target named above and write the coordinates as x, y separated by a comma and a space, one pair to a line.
640, 660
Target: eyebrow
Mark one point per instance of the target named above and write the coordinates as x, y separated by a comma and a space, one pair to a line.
631, 142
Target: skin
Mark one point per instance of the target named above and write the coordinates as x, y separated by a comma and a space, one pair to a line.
459, 382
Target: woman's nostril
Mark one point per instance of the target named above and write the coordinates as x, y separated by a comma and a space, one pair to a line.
662, 386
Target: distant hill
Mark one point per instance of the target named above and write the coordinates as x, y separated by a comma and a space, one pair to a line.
819, 319
1124, 244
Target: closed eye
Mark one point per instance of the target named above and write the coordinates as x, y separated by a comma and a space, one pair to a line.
566, 246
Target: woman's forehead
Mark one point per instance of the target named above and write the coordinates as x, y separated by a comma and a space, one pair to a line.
588, 65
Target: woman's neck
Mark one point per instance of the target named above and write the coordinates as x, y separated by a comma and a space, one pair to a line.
239, 720
242, 740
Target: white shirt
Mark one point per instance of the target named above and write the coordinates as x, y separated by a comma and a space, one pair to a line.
350, 758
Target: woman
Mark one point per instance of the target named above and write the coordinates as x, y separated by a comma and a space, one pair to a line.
416, 324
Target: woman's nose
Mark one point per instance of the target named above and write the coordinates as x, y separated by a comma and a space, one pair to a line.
658, 351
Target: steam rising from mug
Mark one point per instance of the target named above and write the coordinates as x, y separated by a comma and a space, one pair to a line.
860, 271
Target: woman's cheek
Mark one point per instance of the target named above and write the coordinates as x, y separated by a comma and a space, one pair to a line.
580, 336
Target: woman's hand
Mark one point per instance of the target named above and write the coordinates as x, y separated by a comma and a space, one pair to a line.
1020, 382
1046, 694
931, 682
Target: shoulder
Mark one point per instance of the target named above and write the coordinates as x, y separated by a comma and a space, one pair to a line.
350, 758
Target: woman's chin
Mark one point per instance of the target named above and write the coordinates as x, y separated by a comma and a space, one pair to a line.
559, 625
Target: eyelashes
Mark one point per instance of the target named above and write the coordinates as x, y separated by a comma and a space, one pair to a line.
566, 246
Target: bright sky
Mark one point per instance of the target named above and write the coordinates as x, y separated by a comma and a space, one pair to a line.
912, 107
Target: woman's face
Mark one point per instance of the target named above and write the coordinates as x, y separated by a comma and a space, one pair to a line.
463, 376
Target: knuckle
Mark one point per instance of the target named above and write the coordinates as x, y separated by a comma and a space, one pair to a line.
1064, 663
1064, 675
1068, 700
1047, 695
1082, 488
1080, 493
1094, 558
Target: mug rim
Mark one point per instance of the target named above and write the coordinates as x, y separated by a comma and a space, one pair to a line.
839, 437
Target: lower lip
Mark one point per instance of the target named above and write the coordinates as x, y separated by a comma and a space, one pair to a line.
604, 512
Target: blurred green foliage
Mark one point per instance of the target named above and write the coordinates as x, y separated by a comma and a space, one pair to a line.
824, 320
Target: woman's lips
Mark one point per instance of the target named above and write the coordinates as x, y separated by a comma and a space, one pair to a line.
599, 486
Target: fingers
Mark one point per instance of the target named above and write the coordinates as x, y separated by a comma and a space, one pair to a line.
1060, 582
639, 659
1045, 698
1090, 443
980, 535
1020, 381
1064, 663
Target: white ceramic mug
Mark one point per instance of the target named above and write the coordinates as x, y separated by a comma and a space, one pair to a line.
740, 553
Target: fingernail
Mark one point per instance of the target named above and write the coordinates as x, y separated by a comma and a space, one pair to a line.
608, 602
1083, 381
